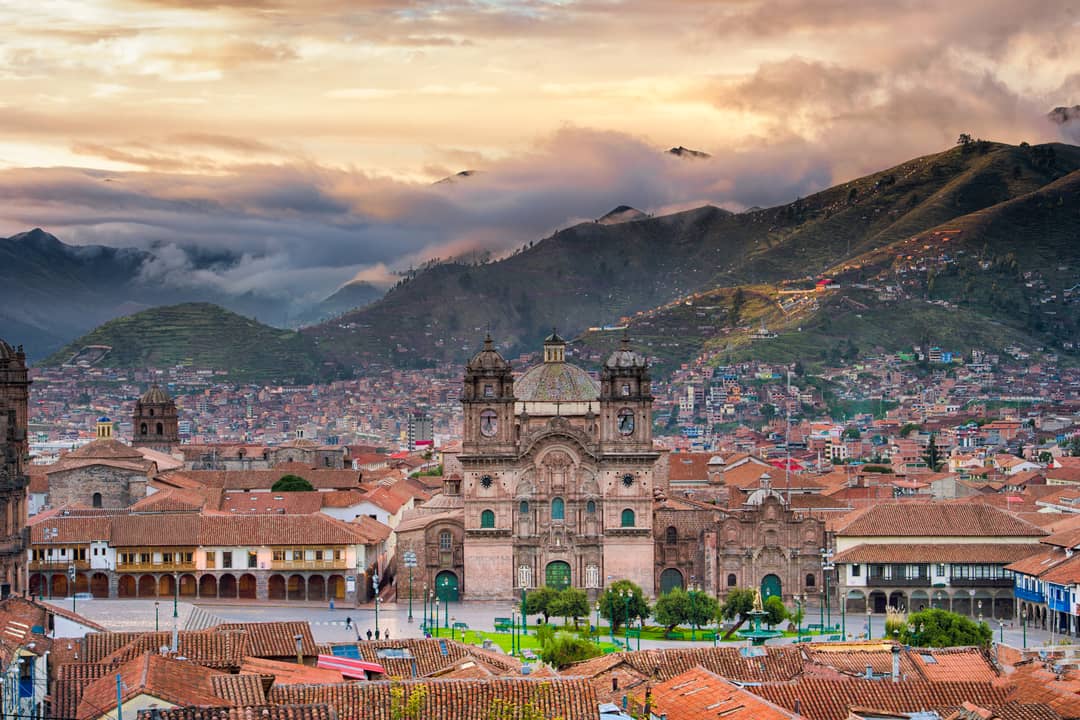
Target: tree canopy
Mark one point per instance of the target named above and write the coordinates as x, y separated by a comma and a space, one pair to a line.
613, 606
570, 603
291, 483
777, 613
679, 607
538, 601
738, 602
941, 628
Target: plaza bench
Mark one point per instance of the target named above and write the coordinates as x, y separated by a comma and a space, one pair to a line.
708, 636
674, 635
814, 626
503, 624
834, 638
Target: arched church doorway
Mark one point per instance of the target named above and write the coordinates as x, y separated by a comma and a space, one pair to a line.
446, 586
557, 575
770, 585
669, 580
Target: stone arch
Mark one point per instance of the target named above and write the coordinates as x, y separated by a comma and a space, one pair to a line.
898, 600
335, 587
276, 588
99, 585
207, 586
147, 586
248, 588
855, 601
919, 601
1003, 604
59, 586
316, 589
188, 585
166, 586
671, 535
95, 500
297, 587
878, 601
38, 584
82, 583
771, 585
125, 587
160, 428
227, 586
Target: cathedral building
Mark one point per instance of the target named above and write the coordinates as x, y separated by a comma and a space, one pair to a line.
557, 474
14, 458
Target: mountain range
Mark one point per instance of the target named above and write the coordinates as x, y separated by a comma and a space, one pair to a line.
975, 244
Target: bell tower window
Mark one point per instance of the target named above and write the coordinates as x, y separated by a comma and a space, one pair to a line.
558, 509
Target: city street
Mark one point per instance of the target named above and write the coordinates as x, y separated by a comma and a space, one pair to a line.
329, 625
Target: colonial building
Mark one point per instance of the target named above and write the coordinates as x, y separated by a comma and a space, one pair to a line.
14, 458
557, 474
155, 421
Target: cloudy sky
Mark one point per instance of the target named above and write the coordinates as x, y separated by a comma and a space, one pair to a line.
304, 137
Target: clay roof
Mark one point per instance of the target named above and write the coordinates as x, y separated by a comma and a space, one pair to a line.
108, 449
265, 479
1032, 683
71, 680
314, 711
938, 519
936, 552
289, 673
264, 502
823, 699
274, 639
450, 699
698, 694
422, 521
172, 500
1042, 558
175, 681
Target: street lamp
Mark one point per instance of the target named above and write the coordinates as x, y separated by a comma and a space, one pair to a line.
626, 598
693, 617
375, 589
453, 628
980, 613
427, 626
1001, 632
157, 615
597, 622
869, 629
641, 627
1023, 623
826, 569
433, 610
798, 615
446, 612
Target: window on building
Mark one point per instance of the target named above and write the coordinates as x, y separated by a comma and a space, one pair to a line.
211, 559
445, 541
810, 580
279, 556
309, 555
590, 507
489, 391
188, 557
339, 554
167, 558
143, 429
731, 580
160, 429
226, 559
672, 535
523, 507
96, 501
487, 519
253, 560
558, 509
628, 518
144, 558
856, 570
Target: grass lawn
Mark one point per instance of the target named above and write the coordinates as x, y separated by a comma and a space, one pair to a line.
503, 640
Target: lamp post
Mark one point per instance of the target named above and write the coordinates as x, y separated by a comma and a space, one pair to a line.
175, 597
446, 613
524, 610
410, 593
626, 597
513, 631
980, 613
693, 617
597, 622
641, 627
453, 628
426, 625
826, 570
1023, 623
375, 589
869, 629
157, 616
1001, 632
798, 616
433, 611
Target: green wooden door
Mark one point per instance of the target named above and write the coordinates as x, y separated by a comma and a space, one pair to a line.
669, 580
557, 575
446, 586
770, 585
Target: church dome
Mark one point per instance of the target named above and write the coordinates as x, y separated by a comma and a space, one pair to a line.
488, 358
624, 357
155, 396
6, 351
556, 382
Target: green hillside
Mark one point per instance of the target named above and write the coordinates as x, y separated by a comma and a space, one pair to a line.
593, 274
200, 335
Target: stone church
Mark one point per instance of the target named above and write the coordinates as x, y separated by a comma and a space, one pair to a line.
558, 483
14, 458
557, 474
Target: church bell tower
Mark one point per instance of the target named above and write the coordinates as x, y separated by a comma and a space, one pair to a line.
488, 398
626, 402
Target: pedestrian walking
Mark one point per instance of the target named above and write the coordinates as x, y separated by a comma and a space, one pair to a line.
385, 634
348, 623
376, 634
369, 633
331, 603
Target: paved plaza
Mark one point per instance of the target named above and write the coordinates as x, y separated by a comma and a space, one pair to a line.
329, 625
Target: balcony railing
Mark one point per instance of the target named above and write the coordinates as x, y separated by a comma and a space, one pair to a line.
154, 567
59, 565
900, 581
982, 582
309, 565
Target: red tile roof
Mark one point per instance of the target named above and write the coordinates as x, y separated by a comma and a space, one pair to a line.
937, 553
698, 694
938, 519
174, 681
823, 699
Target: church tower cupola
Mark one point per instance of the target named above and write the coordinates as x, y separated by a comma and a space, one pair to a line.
487, 394
554, 348
155, 421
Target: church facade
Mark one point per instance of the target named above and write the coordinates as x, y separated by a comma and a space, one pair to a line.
14, 457
558, 475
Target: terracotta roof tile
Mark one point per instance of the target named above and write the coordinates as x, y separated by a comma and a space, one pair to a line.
938, 553
823, 699
175, 681
252, 712
698, 694
569, 699
289, 673
938, 519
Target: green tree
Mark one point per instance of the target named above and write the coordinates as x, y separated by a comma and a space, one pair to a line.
407, 708
932, 456
672, 608
538, 601
613, 604
565, 649
941, 628
737, 603
291, 483
907, 429
1045, 457
702, 608
852, 433
777, 613
570, 603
